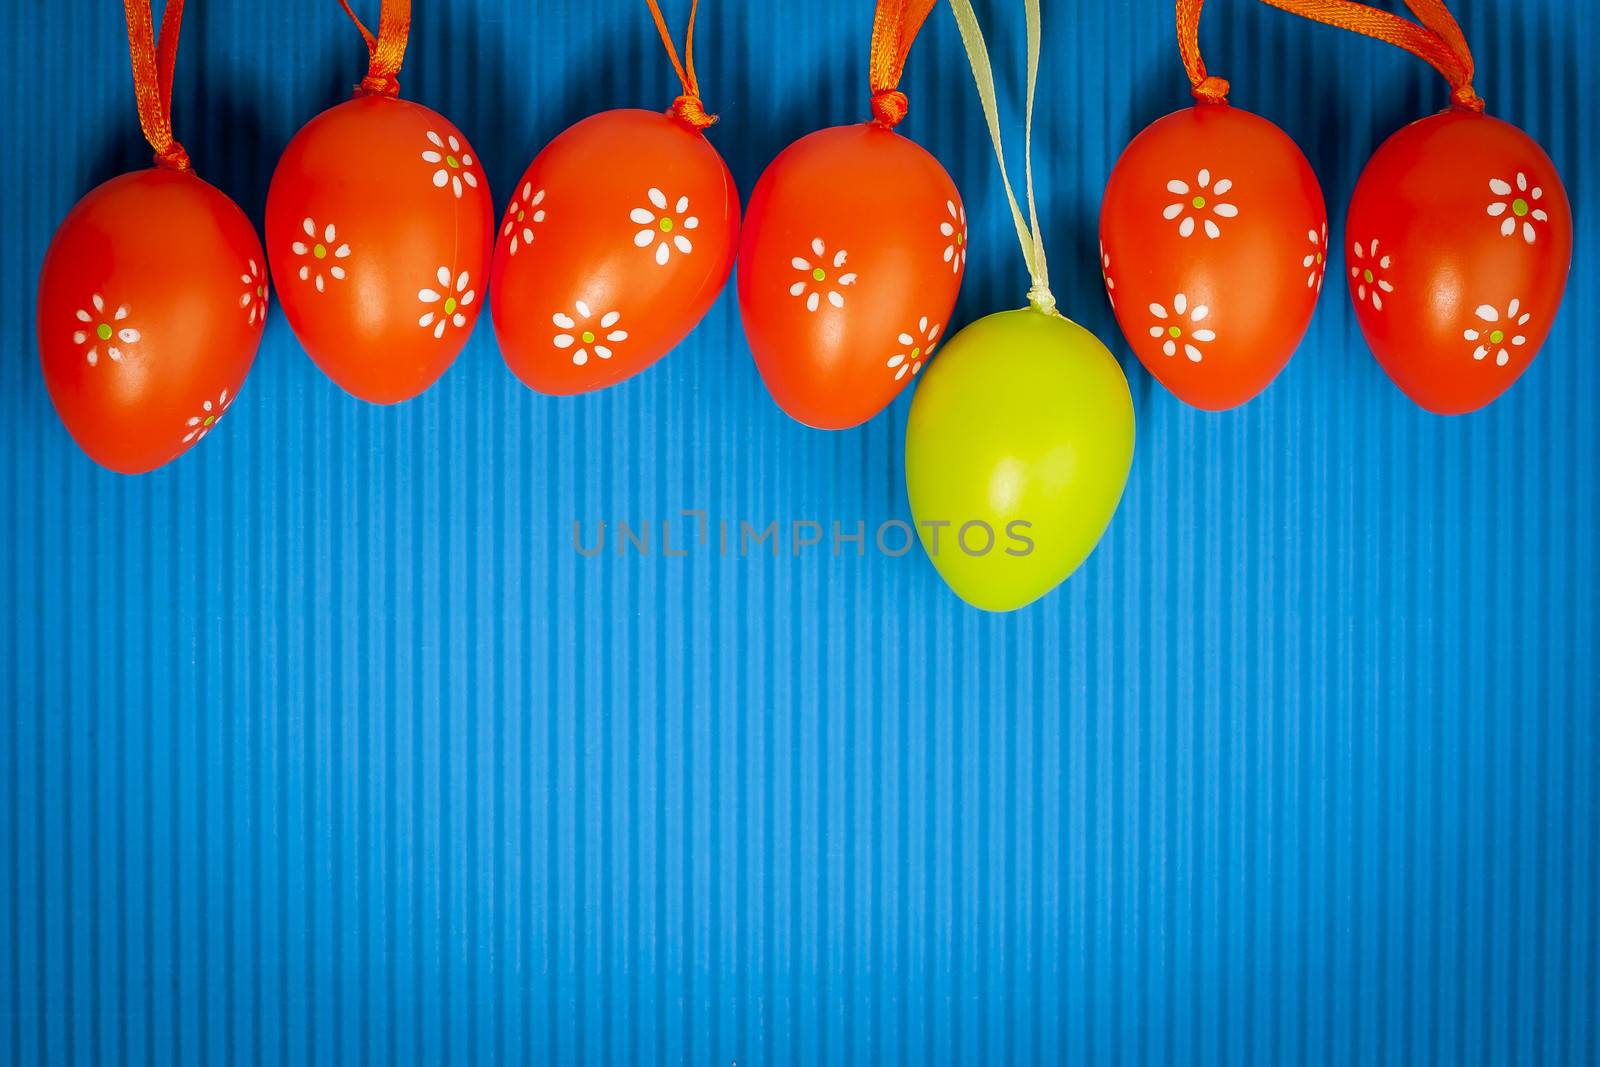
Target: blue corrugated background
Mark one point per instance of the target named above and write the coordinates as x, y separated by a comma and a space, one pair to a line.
322, 745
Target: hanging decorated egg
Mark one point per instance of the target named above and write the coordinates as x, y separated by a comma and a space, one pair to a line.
1459, 236
1459, 244
1018, 448
1020, 437
601, 270
153, 293
618, 239
1215, 238
152, 301
852, 255
379, 232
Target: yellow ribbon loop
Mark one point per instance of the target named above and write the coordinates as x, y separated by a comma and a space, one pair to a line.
1028, 233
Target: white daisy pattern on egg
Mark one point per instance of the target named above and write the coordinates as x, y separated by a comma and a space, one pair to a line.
210, 411
453, 164
954, 231
1367, 273
323, 252
916, 348
1316, 259
821, 278
1181, 328
101, 331
255, 295
523, 214
664, 224
1518, 207
446, 303
585, 333
1498, 332
1199, 206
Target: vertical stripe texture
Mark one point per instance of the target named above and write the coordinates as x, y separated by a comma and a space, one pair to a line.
324, 746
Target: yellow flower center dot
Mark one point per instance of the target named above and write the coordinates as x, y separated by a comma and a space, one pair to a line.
321, 251
453, 161
1199, 202
1497, 336
521, 215
1368, 276
1519, 207
449, 305
588, 337
209, 420
961, 239
819, 274
1319, 259
1174, 332
103, 332
916, 353
666, 225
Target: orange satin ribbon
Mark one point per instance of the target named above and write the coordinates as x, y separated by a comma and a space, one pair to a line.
387, 50
894, 27
1438, 41
152, 76
687, 107
1207, 87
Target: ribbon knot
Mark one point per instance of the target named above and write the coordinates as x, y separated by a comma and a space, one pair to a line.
173, 157
889, 107
688, 109
1041, 299
1212, 90
1468, 98
379, 85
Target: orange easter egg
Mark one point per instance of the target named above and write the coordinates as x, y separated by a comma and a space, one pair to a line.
379, 232
152, 300
1214, 241
852, 256
618, 239
1458, 247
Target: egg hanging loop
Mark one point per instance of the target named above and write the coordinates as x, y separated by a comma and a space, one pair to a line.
1029, 234
687, 108
387, 50
1207, 87
1438, 42
152, 77
895, 25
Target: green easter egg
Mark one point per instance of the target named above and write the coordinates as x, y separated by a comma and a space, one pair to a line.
1023, 426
